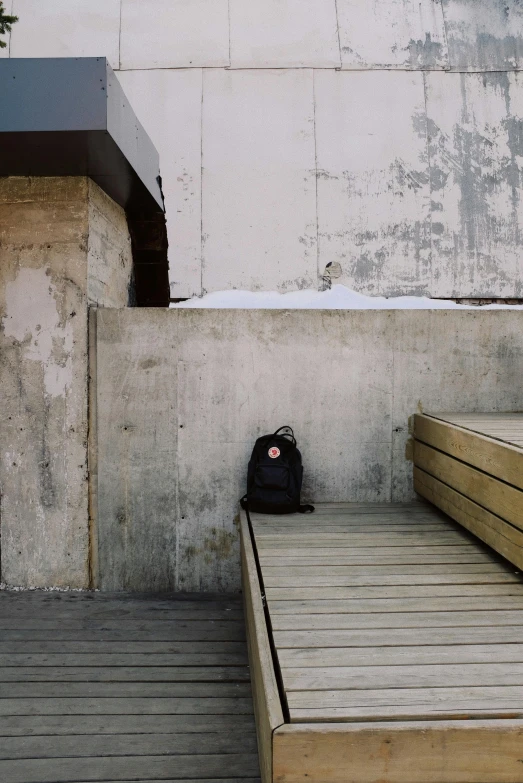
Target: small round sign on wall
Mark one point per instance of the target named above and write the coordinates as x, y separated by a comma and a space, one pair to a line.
274, 452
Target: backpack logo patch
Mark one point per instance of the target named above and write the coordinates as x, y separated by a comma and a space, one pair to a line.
274, 452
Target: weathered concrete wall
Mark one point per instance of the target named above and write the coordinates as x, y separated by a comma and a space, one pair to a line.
182, 395
275, 164
56, 237
109, 252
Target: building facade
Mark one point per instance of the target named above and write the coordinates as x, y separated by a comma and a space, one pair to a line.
382, 136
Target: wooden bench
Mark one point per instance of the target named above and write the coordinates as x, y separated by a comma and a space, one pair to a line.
471, 467
385, 644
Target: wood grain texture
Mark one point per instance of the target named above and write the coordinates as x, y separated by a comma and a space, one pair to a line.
402, 620
398, 591
488, 424
357, 633
267, 705
370, 570
432, 752
63, 770
98, 687
387, 637
453, 697
491, 529
424, 603
499, 459
402, 655
169, 744
54, 725
413, 676
501, 499
389, 580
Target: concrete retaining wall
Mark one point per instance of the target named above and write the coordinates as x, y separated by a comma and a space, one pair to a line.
182, 395
63, 247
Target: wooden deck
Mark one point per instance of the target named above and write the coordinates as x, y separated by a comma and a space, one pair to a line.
397, 648
471, 466
98, 687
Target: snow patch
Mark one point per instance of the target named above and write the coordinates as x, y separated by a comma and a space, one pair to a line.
339, 297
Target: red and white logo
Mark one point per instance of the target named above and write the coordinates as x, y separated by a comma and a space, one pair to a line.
274, 452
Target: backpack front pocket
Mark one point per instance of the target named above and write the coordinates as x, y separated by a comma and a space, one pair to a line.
272, 477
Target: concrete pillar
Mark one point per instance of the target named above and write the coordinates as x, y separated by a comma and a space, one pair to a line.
64, 247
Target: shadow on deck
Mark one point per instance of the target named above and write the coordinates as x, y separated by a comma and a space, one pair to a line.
121, 687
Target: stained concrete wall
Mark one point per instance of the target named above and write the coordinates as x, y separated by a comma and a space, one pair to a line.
404, 166
63, 247
182, 395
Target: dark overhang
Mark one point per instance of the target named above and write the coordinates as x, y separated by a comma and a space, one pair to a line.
70, 117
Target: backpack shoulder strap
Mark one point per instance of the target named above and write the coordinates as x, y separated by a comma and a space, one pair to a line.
306, 509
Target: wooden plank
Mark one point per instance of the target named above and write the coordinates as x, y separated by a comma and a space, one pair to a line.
270, 571
458, 696
381, 620
169, 744
379, 605
98, 615
396, 552
267, 705
56, 725
185, 780
456, 711
499, 498
507, 427
501, 460
130, 767
167, 631
102, 647
391, 580
130, 690
125, 674
31, 602
126, 661
400, 591
148, 603
345, 507
432, 752
391, 637
430, 676
482, 523
335, 530
485, 417
130, 706
473, 555
349, 540
348, 523
383, 513
402, 655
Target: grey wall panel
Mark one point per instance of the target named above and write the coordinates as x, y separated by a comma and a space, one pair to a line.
484, 35
373, 180
405, 34
475, 128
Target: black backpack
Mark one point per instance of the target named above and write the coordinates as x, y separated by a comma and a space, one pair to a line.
274, 475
